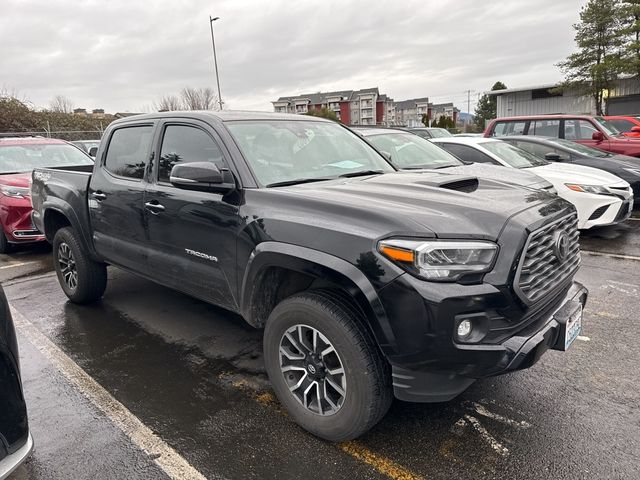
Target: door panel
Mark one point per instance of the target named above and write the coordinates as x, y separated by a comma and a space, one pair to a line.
192, 236
116, 194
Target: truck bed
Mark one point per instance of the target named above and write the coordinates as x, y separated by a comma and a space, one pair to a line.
63, 189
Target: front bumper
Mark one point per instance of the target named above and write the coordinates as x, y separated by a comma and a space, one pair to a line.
9, 463
17, 224
421, 383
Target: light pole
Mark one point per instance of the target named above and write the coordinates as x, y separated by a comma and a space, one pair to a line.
215, 60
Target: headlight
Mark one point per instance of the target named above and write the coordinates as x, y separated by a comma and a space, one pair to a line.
635, 171
597, 189
15, 192
440, 260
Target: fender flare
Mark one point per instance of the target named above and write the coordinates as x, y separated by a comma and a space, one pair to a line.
63, 208
319, 265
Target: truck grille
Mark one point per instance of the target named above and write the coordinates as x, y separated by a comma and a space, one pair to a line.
548, 260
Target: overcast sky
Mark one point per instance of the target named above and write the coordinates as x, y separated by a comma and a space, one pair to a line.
123, 55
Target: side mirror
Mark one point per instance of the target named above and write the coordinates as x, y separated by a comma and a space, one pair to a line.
597, 136
93, 151
553, 157
203, 176
635, 129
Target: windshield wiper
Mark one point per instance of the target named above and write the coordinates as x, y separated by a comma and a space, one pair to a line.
429, 167
361, 173
298, 181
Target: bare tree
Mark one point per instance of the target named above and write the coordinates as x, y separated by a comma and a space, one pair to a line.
199, 98
168, 103
61, 104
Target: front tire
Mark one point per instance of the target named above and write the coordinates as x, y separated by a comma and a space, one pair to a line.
82, 279
325, 367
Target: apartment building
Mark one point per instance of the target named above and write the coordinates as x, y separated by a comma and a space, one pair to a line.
353, 107
409, 112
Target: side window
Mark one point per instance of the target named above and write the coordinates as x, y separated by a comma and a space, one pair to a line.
578, 130
498, 129
516, 128
184, 144
468, 154
537, 149
128, 152
546, 128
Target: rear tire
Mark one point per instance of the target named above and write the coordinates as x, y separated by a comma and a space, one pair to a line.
331, 405
82, 279
4, 243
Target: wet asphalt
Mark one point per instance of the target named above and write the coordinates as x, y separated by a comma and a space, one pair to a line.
193, 374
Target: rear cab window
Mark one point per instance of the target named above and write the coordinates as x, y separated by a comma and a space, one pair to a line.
128, 151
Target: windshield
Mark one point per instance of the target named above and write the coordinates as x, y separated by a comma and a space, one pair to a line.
607, 126
280, 151
581, 149
24, 158
411, 151
439, 133
514, 156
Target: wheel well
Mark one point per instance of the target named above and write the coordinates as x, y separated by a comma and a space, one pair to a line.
274, 284
54, 221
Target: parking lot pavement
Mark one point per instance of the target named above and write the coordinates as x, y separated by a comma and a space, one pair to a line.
193, 374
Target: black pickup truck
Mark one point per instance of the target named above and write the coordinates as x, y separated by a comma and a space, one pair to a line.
368, 282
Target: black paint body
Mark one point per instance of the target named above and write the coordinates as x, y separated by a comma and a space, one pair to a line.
14, 428
326, 233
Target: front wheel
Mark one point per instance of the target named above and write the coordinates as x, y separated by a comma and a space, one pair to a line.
324, 366
82, 279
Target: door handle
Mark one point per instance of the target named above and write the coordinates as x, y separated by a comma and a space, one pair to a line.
99, 195
154, 207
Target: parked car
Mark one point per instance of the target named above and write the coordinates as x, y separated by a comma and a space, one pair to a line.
16, 442
628, 125
599, 197
18, 157
591, 131
560, 150
90, 147
411, 152
430, 132
368, 282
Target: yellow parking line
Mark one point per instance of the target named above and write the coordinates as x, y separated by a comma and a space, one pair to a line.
20, 264
381, 464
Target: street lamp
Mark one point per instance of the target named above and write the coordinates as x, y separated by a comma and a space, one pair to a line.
215, 60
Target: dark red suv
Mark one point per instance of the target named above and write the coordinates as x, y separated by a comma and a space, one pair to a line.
18, 158
592, 131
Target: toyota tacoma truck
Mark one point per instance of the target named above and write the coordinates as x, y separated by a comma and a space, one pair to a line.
369, 283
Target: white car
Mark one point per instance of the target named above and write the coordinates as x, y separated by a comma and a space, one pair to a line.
600, 197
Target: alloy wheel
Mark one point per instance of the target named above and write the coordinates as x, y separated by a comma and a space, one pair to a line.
312, 370
67, 264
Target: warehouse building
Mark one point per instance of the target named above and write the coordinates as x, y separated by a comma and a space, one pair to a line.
623, 98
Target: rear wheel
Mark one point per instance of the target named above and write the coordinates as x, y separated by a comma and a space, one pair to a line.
4, 244
324, 366
82, 279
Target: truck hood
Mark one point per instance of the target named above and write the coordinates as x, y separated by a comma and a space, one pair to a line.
16, 179
436, 204
497, 172
570, 173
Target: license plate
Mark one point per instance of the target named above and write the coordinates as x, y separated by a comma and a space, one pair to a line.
573, 327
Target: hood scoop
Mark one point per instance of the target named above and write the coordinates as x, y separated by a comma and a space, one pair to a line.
458, 183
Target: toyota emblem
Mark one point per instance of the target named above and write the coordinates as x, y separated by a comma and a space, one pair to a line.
561, 246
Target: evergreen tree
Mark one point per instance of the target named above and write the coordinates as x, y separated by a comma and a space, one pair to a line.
487, 106
597, 63
630, 15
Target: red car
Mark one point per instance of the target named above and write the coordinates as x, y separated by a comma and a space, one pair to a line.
594, 132
18, 157
629, 125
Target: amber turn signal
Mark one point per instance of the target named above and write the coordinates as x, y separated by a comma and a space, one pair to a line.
397, 254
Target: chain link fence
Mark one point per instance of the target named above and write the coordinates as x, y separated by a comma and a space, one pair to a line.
69, 135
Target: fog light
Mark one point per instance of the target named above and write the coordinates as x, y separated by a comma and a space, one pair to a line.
464, 328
